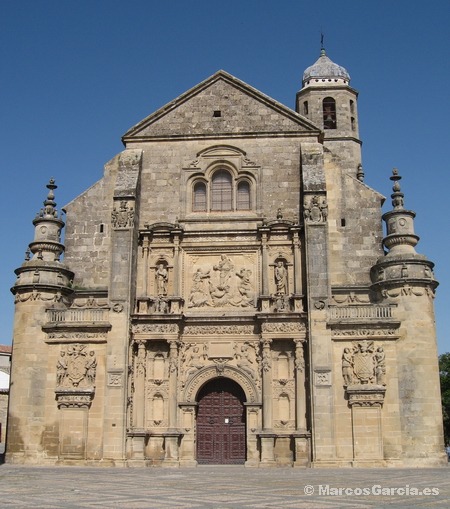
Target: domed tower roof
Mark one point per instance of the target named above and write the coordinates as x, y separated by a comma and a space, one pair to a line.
325, 71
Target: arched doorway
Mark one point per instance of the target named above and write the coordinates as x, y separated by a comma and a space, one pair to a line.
221, 423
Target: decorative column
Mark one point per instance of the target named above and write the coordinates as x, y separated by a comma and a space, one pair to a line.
172, 435
301, 436
300, 385
137, 432
176, 257
145, 253
265, 297
267, 436
176, 301
139, 385
298, 297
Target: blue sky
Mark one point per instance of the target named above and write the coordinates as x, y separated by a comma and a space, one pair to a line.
76, 75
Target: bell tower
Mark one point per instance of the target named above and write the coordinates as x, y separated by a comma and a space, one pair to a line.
327, 99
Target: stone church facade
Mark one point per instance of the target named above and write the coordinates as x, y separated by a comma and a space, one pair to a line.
226, 295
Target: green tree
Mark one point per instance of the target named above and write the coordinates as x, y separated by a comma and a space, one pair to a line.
444, 374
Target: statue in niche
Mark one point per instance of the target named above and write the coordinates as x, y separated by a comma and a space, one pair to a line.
280, 273
162, 278
200, 292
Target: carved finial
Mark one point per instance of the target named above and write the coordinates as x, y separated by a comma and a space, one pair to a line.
397, 195
49, 204
360, 173
279, 214
27, 255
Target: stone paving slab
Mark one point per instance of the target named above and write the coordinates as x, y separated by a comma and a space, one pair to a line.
221, 487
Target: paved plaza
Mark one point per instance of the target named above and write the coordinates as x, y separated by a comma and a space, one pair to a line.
221, 487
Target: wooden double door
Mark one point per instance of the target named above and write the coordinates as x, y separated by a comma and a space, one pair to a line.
221, 423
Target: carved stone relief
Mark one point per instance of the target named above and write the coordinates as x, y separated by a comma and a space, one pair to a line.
76, 370
222, 284
364, 364
76, 367
315, 209
123, 216
322, 377
161, 328
283, 327
218, 329
364, 333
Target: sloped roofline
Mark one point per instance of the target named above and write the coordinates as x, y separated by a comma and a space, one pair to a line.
232, 80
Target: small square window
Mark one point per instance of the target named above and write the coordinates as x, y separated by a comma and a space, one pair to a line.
217, 113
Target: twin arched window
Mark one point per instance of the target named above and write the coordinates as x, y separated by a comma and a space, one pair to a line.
222, 193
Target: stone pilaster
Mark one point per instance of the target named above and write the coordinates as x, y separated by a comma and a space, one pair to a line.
315, 214
122, 289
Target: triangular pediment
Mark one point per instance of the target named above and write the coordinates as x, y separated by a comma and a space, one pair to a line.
222, 105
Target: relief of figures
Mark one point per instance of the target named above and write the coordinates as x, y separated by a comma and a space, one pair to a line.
363, 364
222, 286
200, 291
76, 367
